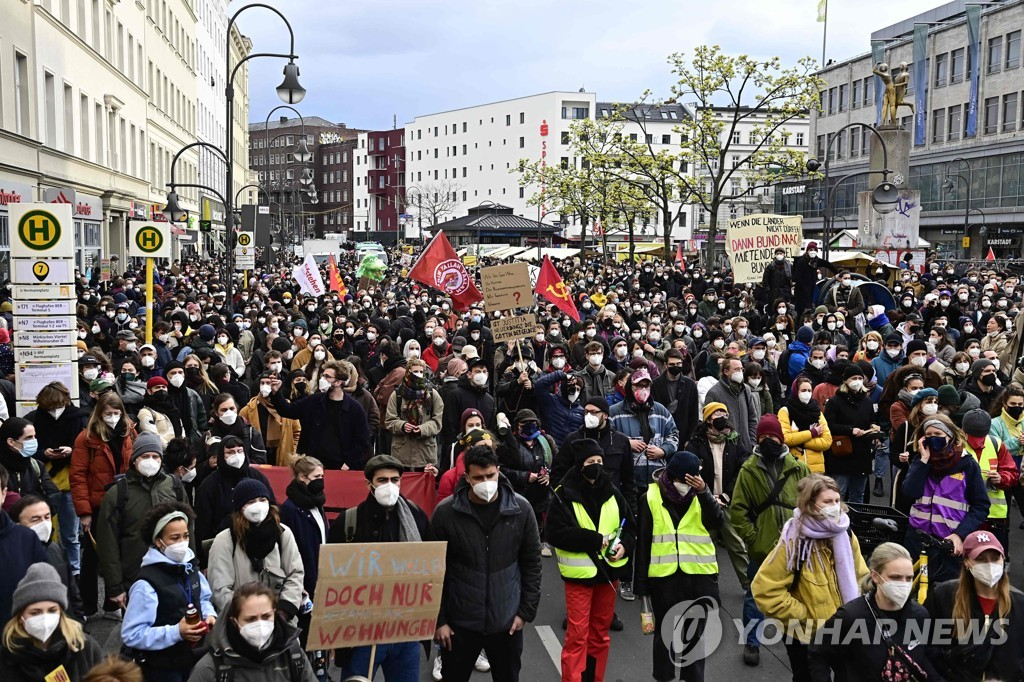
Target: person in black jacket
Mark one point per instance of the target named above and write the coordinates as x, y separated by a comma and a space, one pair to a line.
526, 455
720, 461
493, 571
593, 532
618, 457
335, 429
984, 588
678, 393
384, 516
58, 422
850, 414
20, 548
892, 619
777, 279
18, 450
213, 499
471, 392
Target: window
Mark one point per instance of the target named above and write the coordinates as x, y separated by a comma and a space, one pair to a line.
819, 147
1010, 112
956, 65
522, 142
565, 163
799, 139
832, 100
869, 90
579, 113
648, 138
910, 83
1013, 50
69, 119
938, 125
666, 139
522, 117
564, 137
632, 137
83, 126
463, 128
953, 122
735, 137
50, 102
508, 119
991, 115
844, 91
855, 136
941, 70
856, 94
23, 118
995, 54
735, 160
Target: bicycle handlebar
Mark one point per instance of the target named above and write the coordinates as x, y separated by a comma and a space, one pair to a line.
928, 540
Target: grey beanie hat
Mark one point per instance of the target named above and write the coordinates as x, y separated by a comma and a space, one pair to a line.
147, 442
977, 423
41, 583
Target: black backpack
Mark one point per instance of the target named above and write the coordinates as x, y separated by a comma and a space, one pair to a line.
223, 671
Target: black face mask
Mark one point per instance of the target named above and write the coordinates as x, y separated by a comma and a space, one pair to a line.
316, 486
673, 371
1015, 412
192, 371
770, 450
988, 380
591, 471
721, 424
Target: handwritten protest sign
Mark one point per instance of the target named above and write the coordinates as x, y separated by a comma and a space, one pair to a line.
751, 242
512, 328
507, 286
377, 593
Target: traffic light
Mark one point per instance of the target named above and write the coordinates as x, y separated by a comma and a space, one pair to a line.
206, 226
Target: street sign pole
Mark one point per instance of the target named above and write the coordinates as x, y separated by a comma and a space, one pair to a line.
149, 300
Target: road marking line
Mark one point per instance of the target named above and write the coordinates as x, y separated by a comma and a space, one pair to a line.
551, 643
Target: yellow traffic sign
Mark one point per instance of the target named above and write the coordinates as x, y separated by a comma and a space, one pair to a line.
39, 230
149, 240
965, 242
244, 238
42, 231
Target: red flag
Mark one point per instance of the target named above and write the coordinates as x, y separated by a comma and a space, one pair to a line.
990, 255
679, 256
439, 267
335, 278
551, 287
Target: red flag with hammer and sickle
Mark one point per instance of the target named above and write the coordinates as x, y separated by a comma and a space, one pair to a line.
551, 287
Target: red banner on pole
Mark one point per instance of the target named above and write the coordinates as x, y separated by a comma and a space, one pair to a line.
346, 489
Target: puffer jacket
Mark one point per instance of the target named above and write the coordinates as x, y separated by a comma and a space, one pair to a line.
282, 570
491, 577
556, 414
273, 666
93, 469
415, 449
753, 484
803, 446
815, 598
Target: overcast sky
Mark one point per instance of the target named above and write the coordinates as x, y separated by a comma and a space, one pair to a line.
362, 63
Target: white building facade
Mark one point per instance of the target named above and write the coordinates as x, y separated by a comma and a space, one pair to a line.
96, 97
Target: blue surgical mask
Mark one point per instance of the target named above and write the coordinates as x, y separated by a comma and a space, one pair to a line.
936, 443
29, 447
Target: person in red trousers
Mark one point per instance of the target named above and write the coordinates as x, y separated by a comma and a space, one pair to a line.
593, 533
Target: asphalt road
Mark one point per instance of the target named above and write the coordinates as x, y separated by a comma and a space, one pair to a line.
630, 657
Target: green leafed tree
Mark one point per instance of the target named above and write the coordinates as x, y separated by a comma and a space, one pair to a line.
759, 96
588, 185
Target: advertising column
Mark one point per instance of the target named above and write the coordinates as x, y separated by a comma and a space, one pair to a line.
42, 272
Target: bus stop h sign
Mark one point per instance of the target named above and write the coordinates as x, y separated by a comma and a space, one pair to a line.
149, 240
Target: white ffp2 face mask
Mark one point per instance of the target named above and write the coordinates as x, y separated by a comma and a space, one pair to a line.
988, 574
42, 626
256, 512
386, 494
257, 633
486, 490
897, 593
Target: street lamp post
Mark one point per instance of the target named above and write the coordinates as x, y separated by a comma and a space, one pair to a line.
540, 226
948, 185
883, 197
290, 92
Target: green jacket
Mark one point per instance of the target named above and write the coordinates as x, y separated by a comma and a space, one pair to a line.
118, 533
754, 483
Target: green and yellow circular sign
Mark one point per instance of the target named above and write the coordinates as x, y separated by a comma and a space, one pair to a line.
244, 238
39, 230
149, 239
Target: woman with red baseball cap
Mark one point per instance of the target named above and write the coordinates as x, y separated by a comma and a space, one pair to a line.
986, 613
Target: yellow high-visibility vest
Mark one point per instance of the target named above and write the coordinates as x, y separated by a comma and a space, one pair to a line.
580, 565
989, 461
686, 547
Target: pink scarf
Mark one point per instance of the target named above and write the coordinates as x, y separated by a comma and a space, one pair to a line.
801, 536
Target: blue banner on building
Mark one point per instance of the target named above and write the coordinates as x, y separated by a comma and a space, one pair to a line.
973, 52
920, 76
878, 55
